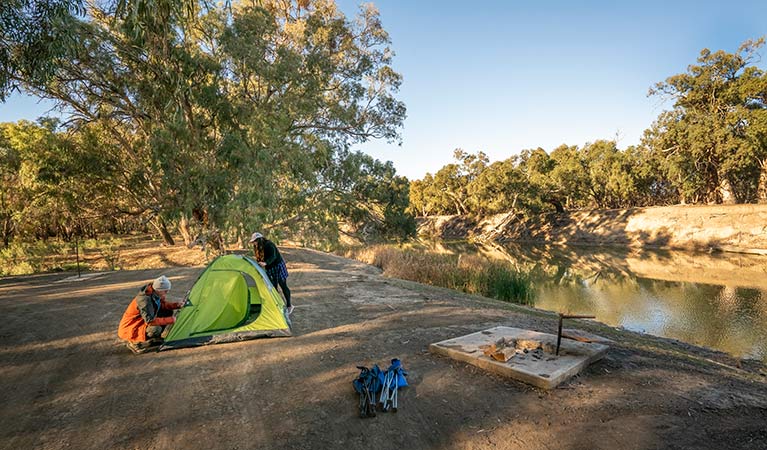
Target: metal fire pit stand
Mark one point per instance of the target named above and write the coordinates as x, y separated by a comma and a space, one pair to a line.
568, 316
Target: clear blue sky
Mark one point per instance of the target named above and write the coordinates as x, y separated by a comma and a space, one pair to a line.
501, 76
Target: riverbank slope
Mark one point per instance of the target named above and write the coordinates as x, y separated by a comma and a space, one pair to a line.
733, 228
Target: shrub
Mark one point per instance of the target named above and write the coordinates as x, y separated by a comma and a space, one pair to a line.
21, 258
109, 249
471, 274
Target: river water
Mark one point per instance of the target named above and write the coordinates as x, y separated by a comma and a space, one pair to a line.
712, 300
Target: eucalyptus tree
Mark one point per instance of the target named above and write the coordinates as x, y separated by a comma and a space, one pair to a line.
448, 189
353, 188
224, 112
450, 186
418, 203
25, 208
49, 187
471, 165
611, 180
713, 143
380, 198
500, 187
651, 186
570, 175
537, 167
33, 35
309, 86
427, 199
13, 196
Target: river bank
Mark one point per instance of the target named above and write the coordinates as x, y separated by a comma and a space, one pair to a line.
69, 383
730, 228
716, 300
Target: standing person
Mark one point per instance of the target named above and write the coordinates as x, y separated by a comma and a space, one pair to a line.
267, 255
147, 316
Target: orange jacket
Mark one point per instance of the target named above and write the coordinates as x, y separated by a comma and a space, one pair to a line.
143, 312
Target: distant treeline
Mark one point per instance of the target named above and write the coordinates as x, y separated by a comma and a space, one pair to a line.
710, 148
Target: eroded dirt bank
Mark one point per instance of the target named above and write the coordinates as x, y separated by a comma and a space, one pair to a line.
736, 228
67, 382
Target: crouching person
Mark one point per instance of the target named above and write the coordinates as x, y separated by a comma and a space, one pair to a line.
147, 316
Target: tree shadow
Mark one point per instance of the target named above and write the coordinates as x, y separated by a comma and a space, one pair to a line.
447, 227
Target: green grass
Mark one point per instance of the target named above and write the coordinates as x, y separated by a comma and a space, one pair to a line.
470, 274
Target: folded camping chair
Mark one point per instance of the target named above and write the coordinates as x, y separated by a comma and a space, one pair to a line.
392, 380
367, 384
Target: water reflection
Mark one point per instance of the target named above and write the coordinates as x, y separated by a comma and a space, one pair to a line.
713, 300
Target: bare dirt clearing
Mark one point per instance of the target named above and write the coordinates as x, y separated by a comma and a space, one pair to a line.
68, 383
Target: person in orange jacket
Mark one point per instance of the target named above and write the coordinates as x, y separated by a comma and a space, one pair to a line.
147, 316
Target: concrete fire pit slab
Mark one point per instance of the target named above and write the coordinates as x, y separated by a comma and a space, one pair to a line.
539, 366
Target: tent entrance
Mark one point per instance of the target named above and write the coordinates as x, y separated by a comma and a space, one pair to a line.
254, 298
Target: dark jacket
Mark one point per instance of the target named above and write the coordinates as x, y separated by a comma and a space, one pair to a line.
272, 256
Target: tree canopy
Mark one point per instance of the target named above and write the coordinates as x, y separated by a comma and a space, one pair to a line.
713, 143
229, 116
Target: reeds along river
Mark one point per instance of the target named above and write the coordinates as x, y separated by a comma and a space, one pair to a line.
714, 300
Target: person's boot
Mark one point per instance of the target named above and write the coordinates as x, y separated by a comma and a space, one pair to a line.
143, 347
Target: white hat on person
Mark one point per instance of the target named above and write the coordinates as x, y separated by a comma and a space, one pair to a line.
162, 283
255, 236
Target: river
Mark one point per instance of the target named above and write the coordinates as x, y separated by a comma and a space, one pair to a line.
713, 300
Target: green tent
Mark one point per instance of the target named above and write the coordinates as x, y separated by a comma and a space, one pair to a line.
232, 300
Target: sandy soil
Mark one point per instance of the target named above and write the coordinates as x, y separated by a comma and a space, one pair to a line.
67, 382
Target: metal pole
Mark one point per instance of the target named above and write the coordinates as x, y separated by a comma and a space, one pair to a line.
568, 316
396, 388
77, 255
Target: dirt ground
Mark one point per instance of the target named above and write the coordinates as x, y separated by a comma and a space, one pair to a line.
67, 382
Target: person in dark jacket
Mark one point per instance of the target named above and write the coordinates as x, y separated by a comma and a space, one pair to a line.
147, 316
267, 255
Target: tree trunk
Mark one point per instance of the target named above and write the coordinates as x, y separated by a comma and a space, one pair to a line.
726, 194
761, 193
459, 206
557, 205
159, 225
7, 231
183, 228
